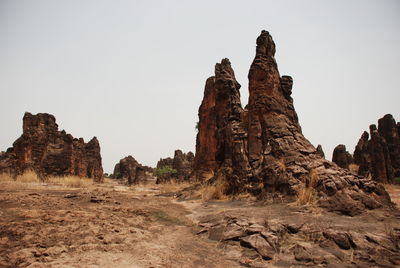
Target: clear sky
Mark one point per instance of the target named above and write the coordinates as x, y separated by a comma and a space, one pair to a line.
132, 73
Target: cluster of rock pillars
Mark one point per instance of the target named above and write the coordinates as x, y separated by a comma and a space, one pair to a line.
258, 149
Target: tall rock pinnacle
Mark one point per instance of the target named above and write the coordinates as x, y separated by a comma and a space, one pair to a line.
261, 149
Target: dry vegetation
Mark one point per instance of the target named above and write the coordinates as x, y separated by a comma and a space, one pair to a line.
30, 177
215, 189
354, 168
306, 195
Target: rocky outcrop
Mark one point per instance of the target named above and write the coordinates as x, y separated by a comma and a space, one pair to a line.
342, 157
129, 169
179, 168
320, 151
48, 151
261, 149
379, 156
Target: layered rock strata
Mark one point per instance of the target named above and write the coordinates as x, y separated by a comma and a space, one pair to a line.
261, 148
48, 151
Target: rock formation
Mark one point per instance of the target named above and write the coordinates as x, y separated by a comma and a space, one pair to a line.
342, 157
179, 168
379, 156
261, 149
48, 151
320, 151
130, 169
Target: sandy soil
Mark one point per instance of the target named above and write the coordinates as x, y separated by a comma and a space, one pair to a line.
112, 225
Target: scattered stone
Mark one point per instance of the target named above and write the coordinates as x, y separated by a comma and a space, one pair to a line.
71, 196
301, 254
261, 245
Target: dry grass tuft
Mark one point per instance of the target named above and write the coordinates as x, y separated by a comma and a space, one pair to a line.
216, 189
173, 186
282, 164
28, 176
71, 181
306, 195
354, 168
6, 177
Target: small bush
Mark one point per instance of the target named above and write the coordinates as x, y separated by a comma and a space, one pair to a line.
164, 172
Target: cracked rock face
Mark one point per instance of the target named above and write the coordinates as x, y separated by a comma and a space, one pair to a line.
48, 151
261, 148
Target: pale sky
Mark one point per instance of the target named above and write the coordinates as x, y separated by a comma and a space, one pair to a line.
132, 73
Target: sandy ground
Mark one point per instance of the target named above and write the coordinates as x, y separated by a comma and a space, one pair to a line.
112, 225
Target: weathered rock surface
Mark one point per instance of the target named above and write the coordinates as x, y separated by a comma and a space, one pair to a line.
48, 151
130, 169
261, 149
342, 157
320, 151
181, 165
379, 156
290, 239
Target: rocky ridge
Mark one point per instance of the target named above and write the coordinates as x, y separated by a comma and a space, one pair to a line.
181, 166
378, 153
47, 151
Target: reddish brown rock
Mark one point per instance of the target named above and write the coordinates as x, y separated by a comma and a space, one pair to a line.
320, 151
261, 148
179, 168
379, 156
388, 129
48, 151
341, 156
130, 170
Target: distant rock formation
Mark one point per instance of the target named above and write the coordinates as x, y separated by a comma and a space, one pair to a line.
130, 169
379, 156
179, 168
261, 149
342, 157
48, 151
320, 151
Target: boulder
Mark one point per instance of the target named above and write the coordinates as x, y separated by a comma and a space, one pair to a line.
129, 169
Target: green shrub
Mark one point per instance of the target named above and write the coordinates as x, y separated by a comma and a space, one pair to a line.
164, 171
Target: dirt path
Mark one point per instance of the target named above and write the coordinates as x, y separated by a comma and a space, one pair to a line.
103, 226
112, 225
